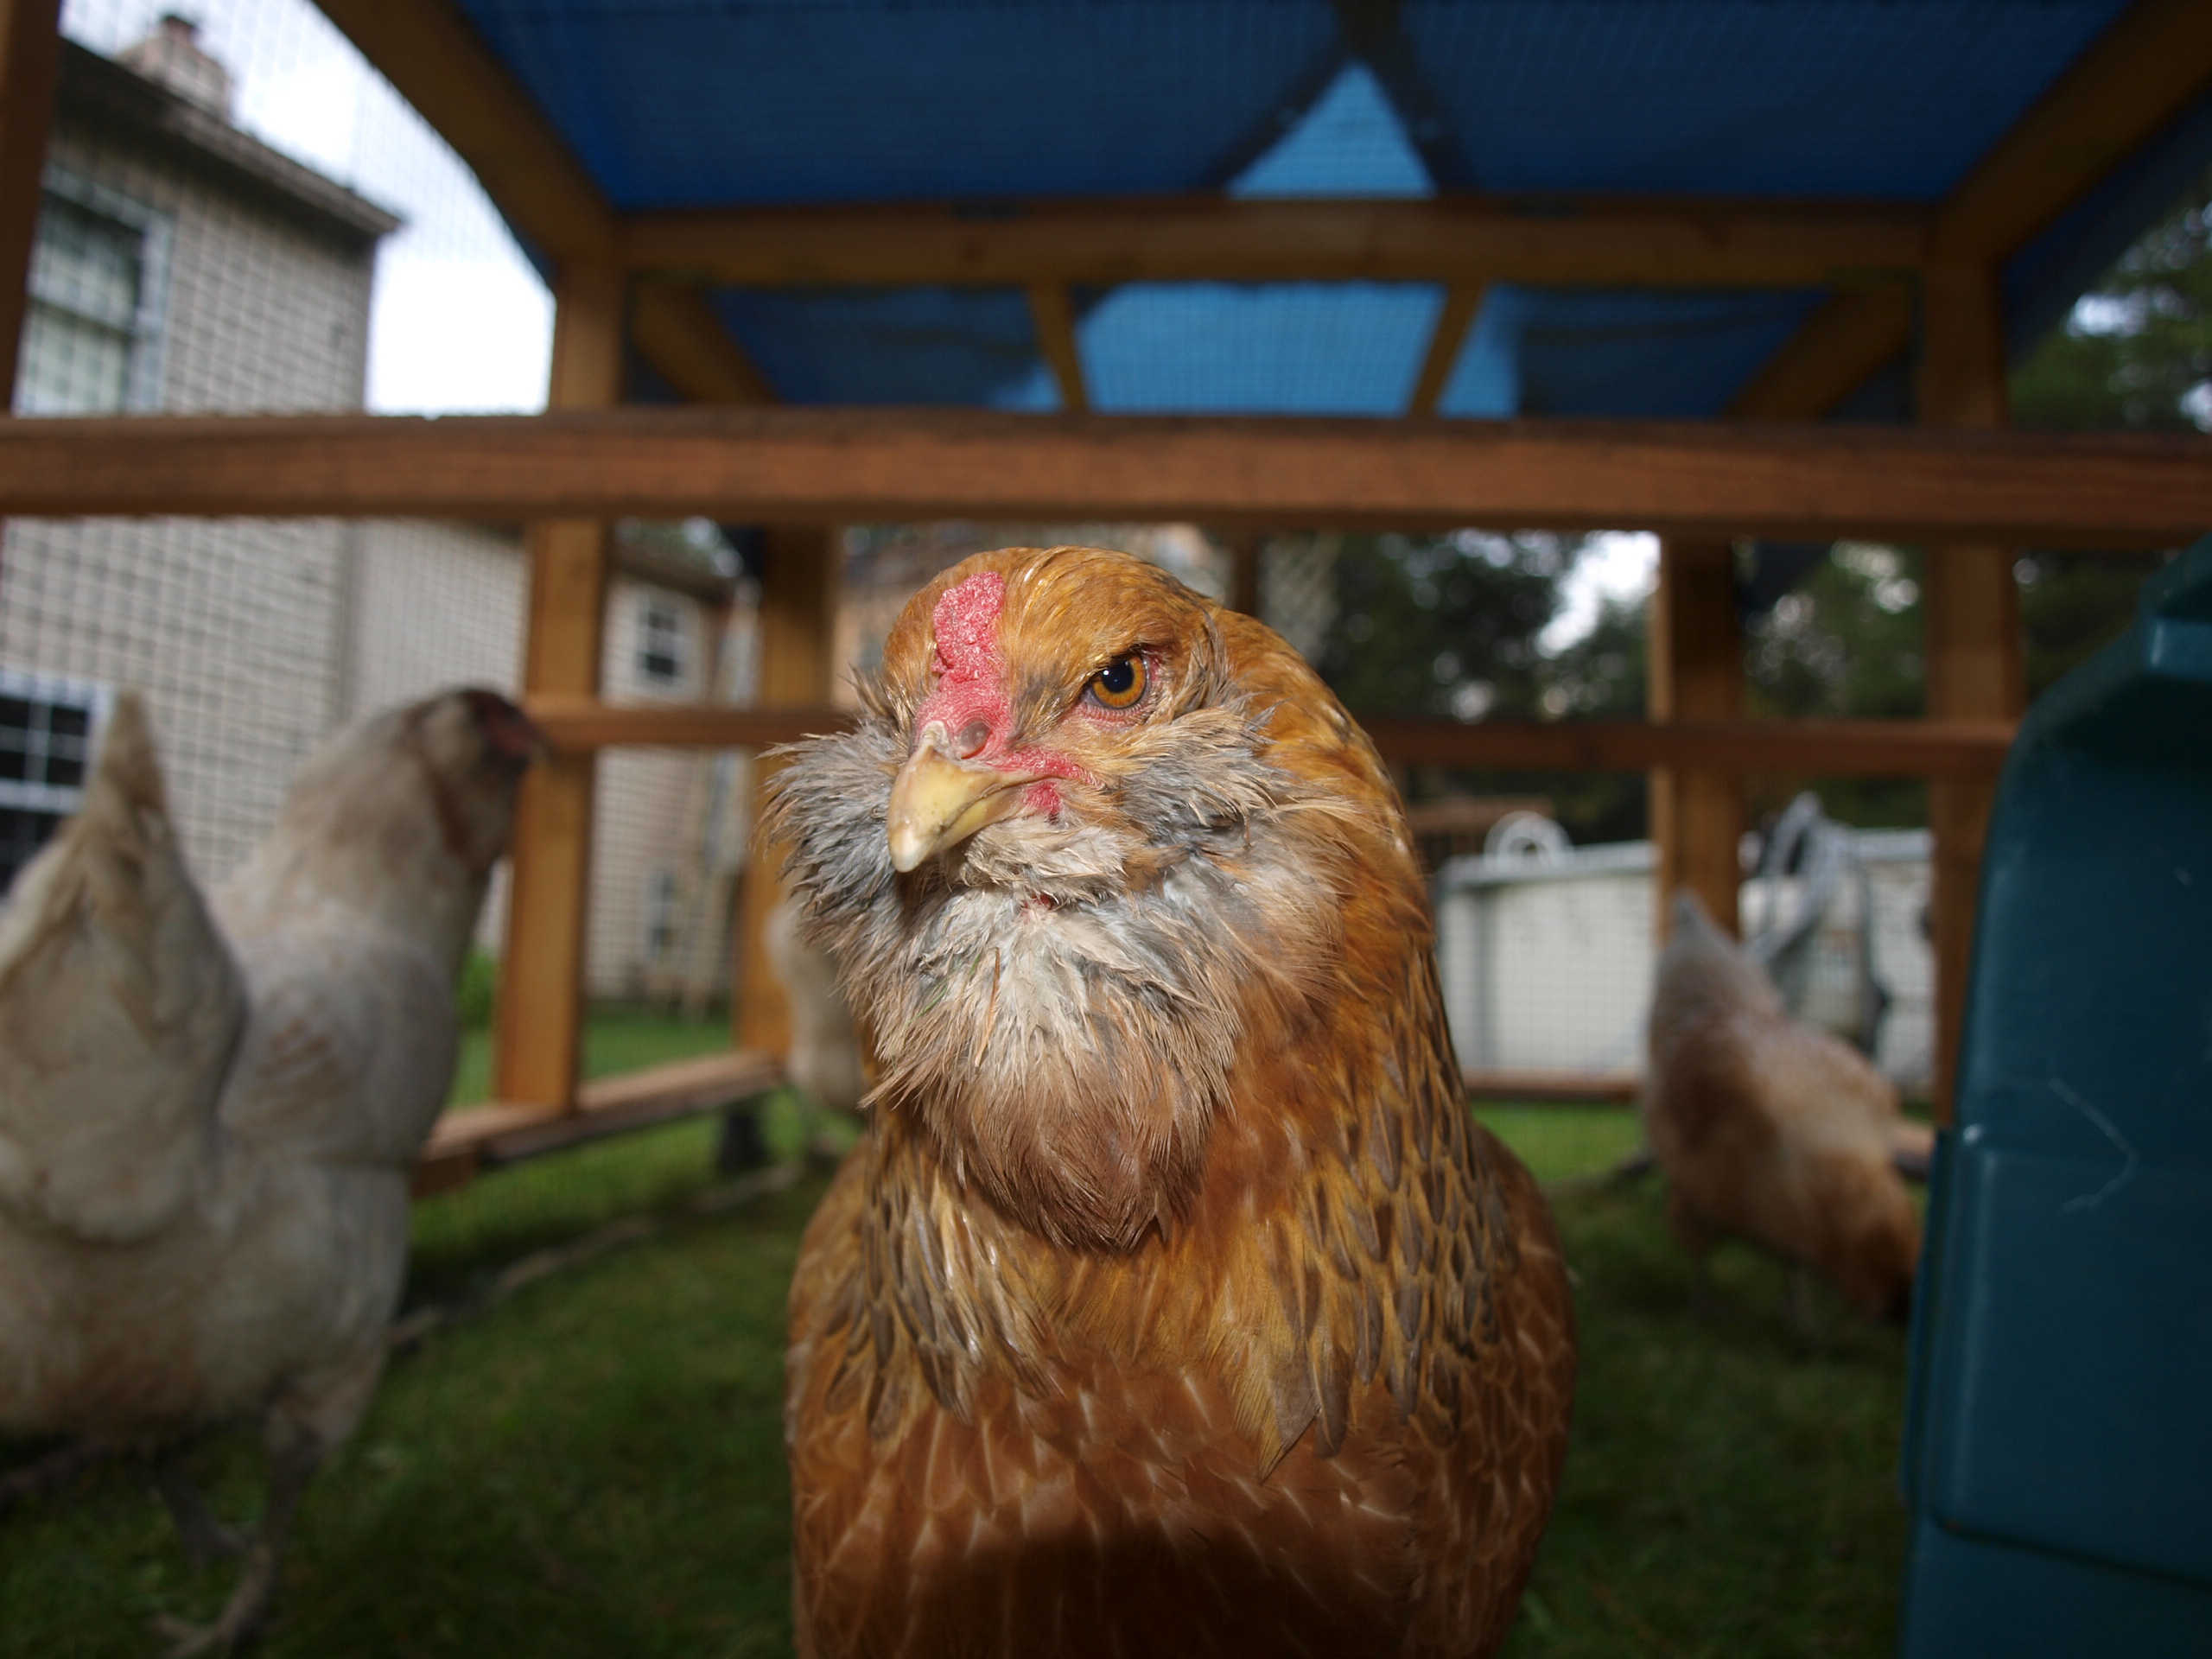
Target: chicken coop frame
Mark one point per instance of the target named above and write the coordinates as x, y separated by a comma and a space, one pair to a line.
1918, 281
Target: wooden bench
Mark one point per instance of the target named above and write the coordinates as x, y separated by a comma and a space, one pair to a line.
475, 1139
1513, 1082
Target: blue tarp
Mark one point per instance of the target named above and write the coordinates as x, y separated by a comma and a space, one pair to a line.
705, 103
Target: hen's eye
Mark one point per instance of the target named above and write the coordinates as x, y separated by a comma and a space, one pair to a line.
1119, 685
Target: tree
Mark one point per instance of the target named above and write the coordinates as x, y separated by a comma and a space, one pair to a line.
1450, 625
1844, 643
2135, 355
1442, 625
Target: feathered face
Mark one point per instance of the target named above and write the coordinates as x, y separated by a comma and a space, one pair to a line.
474, 746
1063, 879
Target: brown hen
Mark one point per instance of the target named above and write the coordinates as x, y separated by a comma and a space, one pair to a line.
1771, 1129
1174, 1303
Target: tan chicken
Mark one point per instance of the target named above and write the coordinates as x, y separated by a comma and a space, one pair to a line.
209, 1113
1174, 1303
1771, 1129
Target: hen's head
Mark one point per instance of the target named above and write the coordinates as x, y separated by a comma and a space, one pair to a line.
404, 812
1093, 833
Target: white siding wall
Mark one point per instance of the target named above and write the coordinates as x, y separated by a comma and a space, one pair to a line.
233, 629
434, 605
650, 811
254, 639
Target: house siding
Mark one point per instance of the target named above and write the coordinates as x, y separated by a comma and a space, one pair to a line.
254, 639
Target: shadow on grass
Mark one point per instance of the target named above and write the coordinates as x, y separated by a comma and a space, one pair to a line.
1729, 1490
595, 1467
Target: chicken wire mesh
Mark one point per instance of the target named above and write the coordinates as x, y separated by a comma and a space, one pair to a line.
240, 214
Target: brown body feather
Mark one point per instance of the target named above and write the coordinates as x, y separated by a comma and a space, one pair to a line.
1175, 1302
1771, 1129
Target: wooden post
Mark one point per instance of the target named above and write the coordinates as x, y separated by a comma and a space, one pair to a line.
1245, 548
30, 58
1696, 672
1051, 313
1462, 301
541, 1005
1970, 607
800, 567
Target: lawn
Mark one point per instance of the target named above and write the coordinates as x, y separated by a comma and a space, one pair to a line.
595, 1466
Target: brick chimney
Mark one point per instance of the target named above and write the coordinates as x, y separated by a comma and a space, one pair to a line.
173, 56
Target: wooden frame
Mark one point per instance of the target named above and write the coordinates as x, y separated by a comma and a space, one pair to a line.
676, 331
835, 465
2147, 69
1694, 663
1552, 240
30, 60
800, 576
1857, 748
1052, 313
1971, 492
539, 1029
1971, 610
1462, 302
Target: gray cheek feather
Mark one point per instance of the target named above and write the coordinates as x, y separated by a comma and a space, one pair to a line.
1029, 1034
1199, 788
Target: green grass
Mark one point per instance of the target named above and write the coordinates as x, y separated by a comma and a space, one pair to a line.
595, 1466
1560, 1141
1728, 1490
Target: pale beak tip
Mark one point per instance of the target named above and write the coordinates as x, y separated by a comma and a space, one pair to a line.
908, 849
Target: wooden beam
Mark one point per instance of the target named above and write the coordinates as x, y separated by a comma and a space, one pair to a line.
1696, 671
840, 465
1462, 301
2146, 70
1052, 314
541, 1003
1970, 608
676, 331
1959, 381
799, 581
1856, 748
2149, 67
1866, 749
30, 57
1849, 337
1247, 554
578, 724
467, 1142
1503, 1082
1646, 243
428, 50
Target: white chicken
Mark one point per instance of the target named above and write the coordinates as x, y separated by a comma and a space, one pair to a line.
824, 1061
209, 1112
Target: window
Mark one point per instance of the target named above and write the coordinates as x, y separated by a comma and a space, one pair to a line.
660, 642
90, 338
47, 727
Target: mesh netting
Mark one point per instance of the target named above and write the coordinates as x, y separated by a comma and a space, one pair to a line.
244, 216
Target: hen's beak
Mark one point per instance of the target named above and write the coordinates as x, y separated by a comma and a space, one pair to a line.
938, 802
